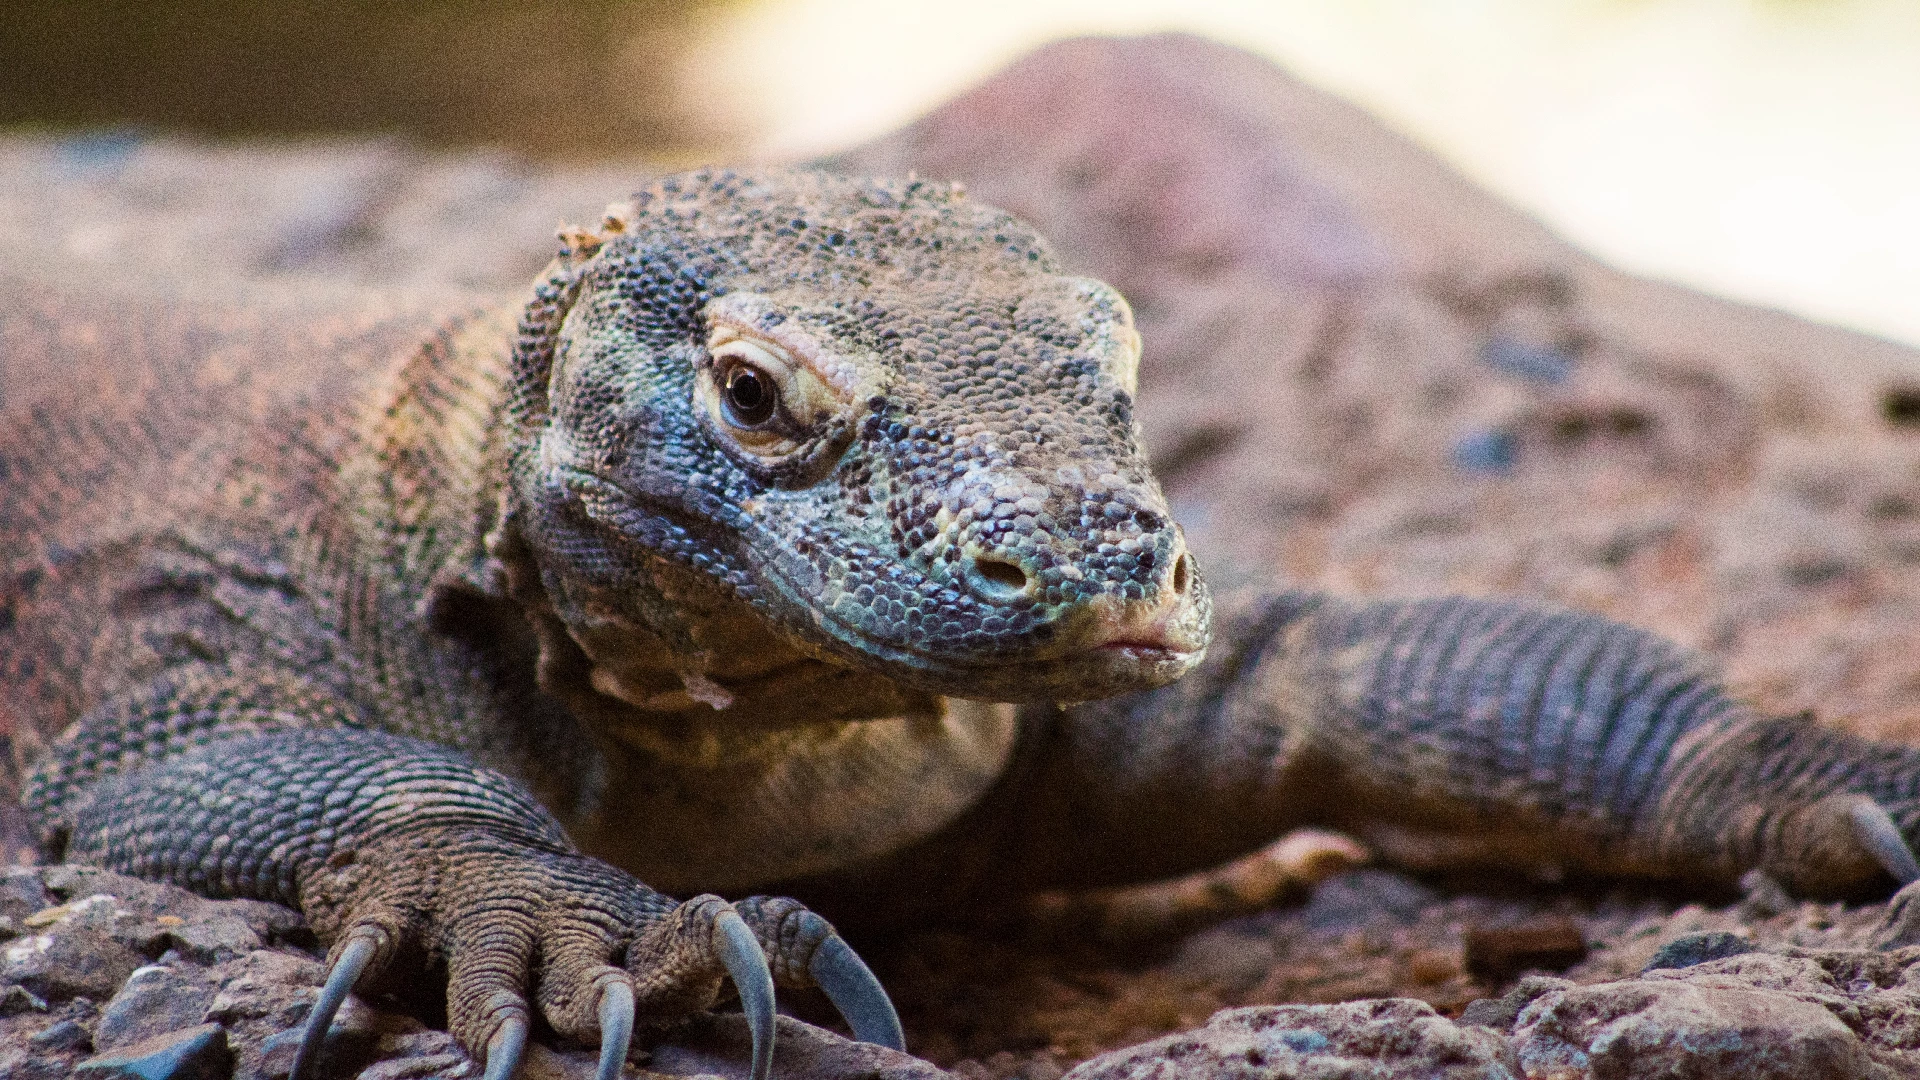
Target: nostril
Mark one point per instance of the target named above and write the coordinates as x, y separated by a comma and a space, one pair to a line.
1182, 574
1001, 579
1148, 521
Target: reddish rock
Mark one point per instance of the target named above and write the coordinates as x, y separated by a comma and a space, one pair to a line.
1392, 1039
1617, 1031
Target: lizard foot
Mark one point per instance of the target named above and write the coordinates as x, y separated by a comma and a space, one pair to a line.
1874, 829
519, 924
1837, 840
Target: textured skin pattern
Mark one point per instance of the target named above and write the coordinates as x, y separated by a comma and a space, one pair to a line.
974, 534
466, 629
1604, 742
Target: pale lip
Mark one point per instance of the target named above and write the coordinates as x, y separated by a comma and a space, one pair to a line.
1144, 650
1150, 633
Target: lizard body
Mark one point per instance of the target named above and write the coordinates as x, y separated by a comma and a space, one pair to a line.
767, 545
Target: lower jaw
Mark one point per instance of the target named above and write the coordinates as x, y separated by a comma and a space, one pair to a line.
1141, 653
1108, 671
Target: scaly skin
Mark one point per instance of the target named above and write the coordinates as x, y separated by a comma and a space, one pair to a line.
701, 568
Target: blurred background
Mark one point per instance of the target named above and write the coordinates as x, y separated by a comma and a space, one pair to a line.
1767, 150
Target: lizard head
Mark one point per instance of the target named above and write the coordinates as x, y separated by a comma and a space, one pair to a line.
868, 423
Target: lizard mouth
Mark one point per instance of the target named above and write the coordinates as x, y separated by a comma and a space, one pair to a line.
1096, 647
1151, 663
1149, 651
1105, 647
1168, 627
1099, 649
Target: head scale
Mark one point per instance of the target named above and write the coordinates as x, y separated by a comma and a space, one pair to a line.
874, 416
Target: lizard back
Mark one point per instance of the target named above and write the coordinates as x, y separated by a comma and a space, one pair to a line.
142, 433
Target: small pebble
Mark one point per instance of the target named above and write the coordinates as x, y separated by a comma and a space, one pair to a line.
1486, 452
197, 1053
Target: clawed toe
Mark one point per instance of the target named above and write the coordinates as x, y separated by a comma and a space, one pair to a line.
805, 951
740, 953
506, 1048
854, 990
605, 974
355, 957
1877, 833
616, 1027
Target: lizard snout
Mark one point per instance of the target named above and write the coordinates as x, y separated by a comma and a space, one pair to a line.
1166, 623
1123, 609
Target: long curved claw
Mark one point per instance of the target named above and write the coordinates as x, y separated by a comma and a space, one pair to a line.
1876, 831
852, 988
740, 954
616, 1029
506, 1048
360, 949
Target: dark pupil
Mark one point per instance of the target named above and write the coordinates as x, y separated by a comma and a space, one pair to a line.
749, 395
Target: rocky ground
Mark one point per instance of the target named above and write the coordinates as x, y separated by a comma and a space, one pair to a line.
107, 976
1362, 373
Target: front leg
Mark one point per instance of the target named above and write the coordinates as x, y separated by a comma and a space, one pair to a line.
1460, 732
401, 851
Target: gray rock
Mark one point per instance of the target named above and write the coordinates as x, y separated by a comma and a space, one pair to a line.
62, 1035
718, 1046
1500, 1013
15, 1000
1390, 1039
350, 1044
1364, 898
67, 961
21, 893
1236, 955
1702, 1028
264, 998
423, 1055
68, 880
274, 986
23, 1063
1762, 897
198, 1053
151, 918
445, 1066
1691, 949
155, 1000
213, 938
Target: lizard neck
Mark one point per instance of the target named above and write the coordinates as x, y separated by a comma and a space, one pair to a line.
423, 481
713, 708
816, 765
427, 487
716, 808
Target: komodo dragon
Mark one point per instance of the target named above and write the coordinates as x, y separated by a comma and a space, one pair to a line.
699, 571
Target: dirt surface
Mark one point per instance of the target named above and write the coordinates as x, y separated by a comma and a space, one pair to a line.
1362, 374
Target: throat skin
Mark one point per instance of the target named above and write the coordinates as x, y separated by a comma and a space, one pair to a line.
709, 754
729, 806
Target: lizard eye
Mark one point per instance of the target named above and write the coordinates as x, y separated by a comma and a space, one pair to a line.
747, 387
759, 398
748, 394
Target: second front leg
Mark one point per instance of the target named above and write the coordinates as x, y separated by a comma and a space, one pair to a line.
1458, 733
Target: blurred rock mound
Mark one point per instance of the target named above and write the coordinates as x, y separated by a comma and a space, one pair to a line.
1362, 373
